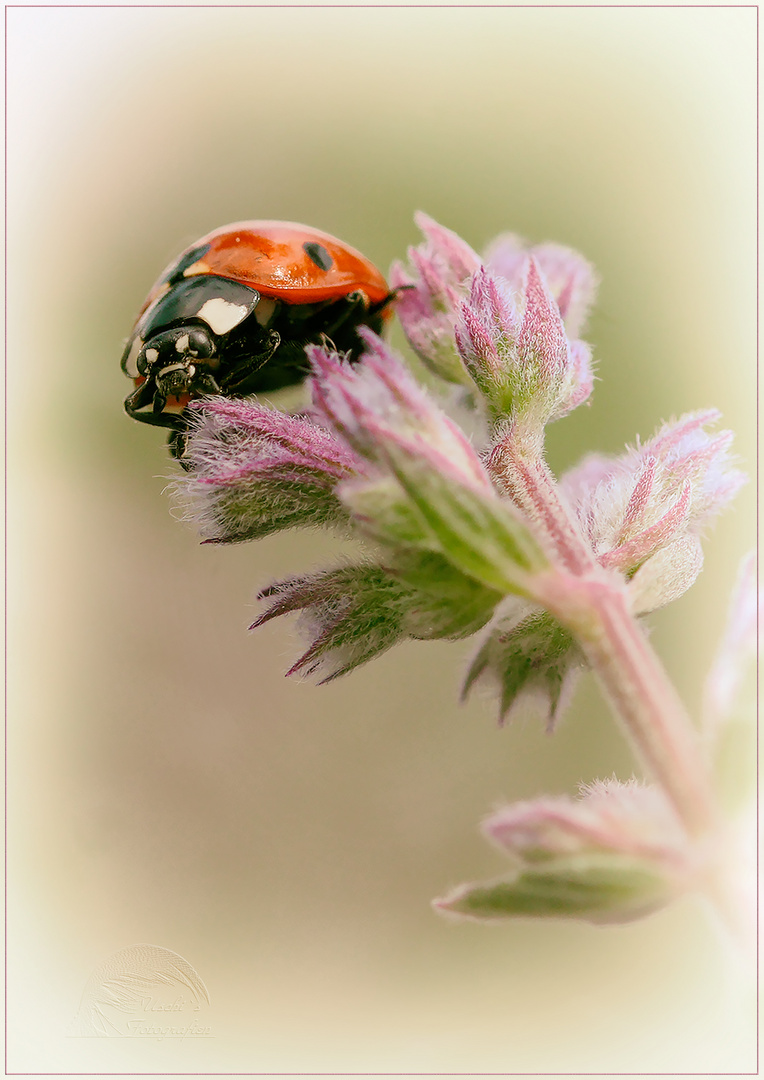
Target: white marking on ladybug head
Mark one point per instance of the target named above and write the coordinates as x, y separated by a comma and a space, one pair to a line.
181, 345
221, 316
152, 355
175, 369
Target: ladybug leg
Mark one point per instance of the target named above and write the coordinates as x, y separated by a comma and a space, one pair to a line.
165, 420
144, 395
140, 396
176, 442
392, 296
206, 384
242, 372
351, 308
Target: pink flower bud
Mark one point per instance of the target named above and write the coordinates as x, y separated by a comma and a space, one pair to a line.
255, 470
687, 452
428, 490
430, 292
630, 818
454, 258
571, 279
615, 854
655, 498
487, 333
517, 351
378, 404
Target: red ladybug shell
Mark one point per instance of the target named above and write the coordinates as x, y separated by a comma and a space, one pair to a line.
271, 257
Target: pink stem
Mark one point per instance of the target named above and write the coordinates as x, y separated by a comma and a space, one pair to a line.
594, 605
529, 482
640, 692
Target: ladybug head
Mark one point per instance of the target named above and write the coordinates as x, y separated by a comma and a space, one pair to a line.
180, 360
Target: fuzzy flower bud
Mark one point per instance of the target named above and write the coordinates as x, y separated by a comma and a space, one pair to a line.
430, 293
354, 613
450, 547
643, 512
572, 280
254, 470
378, 404
519, 355
633, 818
612, 855
351, 615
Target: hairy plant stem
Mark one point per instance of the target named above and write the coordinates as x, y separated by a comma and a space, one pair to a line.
645, 700
594, 605
529, 482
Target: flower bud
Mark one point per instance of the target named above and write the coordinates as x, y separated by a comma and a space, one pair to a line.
631, 818
429, 491
354, 613
430, 291
255, 470
654, 500
530, 659
518, 353
351, 614
378, 404
615, 854
572, 280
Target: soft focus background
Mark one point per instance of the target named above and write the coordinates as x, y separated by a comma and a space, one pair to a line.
168, 785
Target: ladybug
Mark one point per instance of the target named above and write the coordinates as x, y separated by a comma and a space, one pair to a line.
233, 313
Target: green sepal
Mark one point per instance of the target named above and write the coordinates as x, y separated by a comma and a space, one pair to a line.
528, 654
595, 887
257, 508
443, 602
473, 529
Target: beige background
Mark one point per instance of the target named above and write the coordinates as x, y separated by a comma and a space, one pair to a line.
167, 785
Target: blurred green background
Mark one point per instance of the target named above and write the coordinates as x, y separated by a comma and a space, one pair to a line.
168, 785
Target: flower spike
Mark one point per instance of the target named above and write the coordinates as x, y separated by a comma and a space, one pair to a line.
463, 534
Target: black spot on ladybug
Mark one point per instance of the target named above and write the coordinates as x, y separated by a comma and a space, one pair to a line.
317, 254
192, 256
